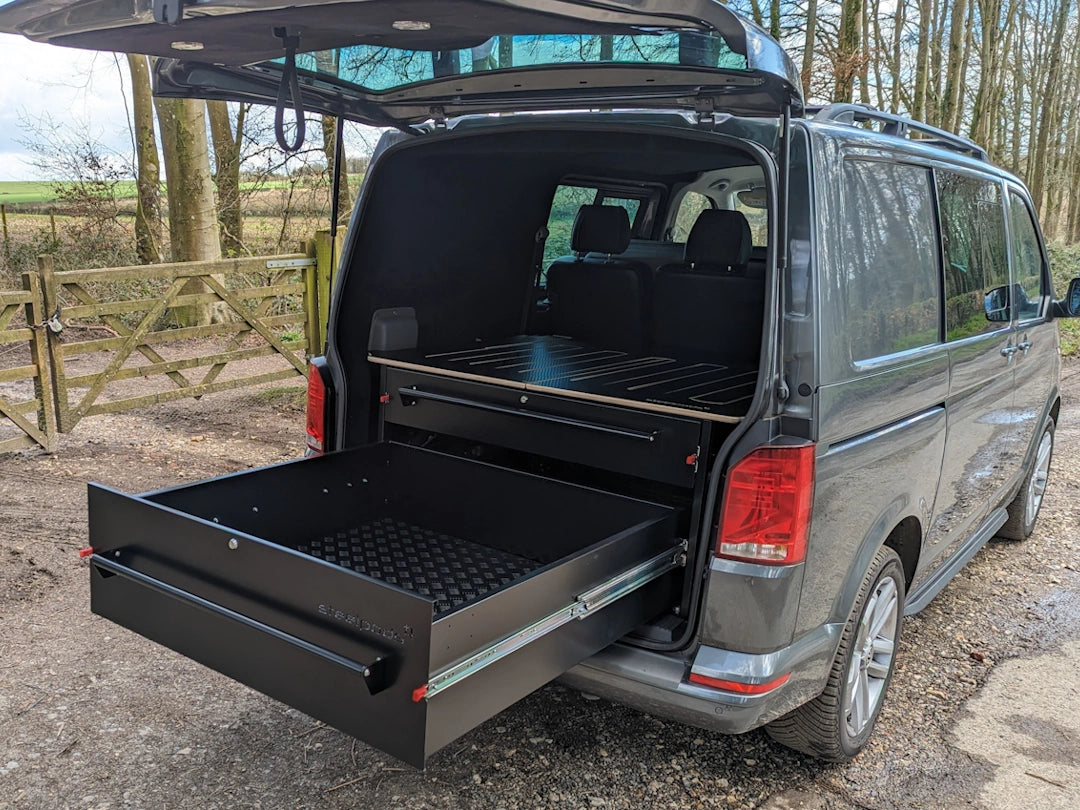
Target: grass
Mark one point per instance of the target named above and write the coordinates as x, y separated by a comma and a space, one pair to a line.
39, 192
1065, 265
29, 192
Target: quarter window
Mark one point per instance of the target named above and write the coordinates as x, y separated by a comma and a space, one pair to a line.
564, 207
1027, 261
976, 264
690, 206
889, 267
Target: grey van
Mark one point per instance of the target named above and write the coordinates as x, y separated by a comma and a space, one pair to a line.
639, 373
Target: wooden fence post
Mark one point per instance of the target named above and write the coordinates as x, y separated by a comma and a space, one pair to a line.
311, 302
7, 243
51, 294
37, 314
326, 275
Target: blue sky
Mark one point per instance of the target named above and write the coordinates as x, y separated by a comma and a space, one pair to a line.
82, 88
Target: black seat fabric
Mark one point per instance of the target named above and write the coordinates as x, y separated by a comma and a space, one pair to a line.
600, 299
708, 306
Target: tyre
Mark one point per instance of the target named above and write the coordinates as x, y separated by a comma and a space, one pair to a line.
836, 724
1024, 509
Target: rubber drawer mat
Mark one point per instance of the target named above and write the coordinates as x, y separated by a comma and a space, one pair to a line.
444, 568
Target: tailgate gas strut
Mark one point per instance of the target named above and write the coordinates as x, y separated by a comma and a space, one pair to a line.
584, 606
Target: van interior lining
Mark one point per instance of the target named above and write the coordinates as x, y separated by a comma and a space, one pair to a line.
452, 234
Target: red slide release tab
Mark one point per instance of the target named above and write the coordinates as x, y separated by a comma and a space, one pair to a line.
85, 552
419, 693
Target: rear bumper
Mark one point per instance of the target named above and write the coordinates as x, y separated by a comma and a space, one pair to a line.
657, 682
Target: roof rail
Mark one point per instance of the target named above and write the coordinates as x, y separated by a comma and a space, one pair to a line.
897, 126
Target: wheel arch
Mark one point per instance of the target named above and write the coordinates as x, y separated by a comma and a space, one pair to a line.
900, 531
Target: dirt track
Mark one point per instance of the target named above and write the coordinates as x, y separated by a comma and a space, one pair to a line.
92, 716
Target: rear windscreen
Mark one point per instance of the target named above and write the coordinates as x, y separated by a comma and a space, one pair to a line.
380, 68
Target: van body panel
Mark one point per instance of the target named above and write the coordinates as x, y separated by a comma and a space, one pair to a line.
980, 446
750, 608
864, 488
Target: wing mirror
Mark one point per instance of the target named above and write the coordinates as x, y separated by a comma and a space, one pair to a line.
996, 304
1069, 306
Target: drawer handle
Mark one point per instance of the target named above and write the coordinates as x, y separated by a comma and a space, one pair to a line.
376, 675
411, 396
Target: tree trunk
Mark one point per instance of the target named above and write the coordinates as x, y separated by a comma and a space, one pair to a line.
848, 53
864, 55
922, 58
950, 98
1046, 122
227, 177
193, 227
329, 133
506, 52
148, 242
774, 19
808, 46
894, 68
755, 12
327, 62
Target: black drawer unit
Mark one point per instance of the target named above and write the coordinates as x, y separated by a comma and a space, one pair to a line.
660, 447
400, 595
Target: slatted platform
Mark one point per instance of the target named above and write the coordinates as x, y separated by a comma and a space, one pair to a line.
564, 366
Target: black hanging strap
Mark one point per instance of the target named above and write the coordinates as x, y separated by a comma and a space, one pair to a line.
290, 86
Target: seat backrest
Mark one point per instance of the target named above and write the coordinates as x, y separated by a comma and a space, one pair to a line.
708, 306
597, 297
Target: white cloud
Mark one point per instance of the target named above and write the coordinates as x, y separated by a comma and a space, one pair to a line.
80, 88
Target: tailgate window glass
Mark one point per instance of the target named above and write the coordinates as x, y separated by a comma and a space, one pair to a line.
889, 280
380, 68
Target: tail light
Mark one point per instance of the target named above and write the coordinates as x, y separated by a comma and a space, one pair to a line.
766, 513
317, 401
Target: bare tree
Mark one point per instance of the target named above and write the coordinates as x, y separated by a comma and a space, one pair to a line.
148, 236
193, 227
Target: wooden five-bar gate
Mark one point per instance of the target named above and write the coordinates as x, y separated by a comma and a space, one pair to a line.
27, 416
77, 343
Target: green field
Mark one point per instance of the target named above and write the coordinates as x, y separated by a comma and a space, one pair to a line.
37, 192
31, 192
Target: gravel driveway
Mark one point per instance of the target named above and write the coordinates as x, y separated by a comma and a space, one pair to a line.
92, 716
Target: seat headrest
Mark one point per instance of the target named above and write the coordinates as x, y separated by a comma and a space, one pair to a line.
600, 229
719, 241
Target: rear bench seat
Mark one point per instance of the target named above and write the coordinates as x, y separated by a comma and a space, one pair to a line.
710, 305
596, 296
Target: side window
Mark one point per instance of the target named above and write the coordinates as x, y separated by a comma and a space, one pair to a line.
690, 206
564, 207
889, 264
631, 205
753, 205
976, 265
1030, 297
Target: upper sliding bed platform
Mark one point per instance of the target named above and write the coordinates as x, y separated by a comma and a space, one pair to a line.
557, 365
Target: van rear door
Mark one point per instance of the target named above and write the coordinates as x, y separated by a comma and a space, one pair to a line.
401, 62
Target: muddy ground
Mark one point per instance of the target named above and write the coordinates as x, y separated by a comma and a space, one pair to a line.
92, 716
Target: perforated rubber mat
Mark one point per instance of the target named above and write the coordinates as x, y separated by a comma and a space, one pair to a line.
447, 569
